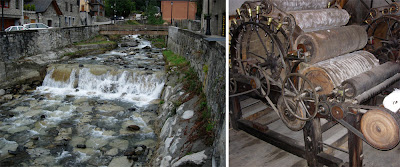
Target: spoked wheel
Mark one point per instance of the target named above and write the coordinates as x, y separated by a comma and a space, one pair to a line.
384, 37
299, 90
256, 51
287, 117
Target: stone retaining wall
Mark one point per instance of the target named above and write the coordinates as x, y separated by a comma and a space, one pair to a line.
192, 25
208, 60
16, 46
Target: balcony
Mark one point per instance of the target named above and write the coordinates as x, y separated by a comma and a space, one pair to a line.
96, 2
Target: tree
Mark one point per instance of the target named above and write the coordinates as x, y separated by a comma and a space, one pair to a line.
122, 7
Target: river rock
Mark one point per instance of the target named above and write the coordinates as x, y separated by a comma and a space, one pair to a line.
80, 146
2, 92
120, 161
112, 152
5, 146
129, 153
121, 144
110, 108
133, 158
32, 113
139, 150
20, 109
187, 114
96, 142
133, 128
198, 158
37, 152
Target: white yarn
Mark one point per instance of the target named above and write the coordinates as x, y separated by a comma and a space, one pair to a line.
392, 101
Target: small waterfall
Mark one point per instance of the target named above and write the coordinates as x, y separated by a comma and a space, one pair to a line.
133, 86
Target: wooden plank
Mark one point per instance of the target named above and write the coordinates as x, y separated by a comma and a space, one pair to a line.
276, 139
247, 150
268, 118
248, 102
285, 143
250, 110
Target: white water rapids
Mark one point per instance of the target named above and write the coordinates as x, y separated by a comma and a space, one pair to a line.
138, 87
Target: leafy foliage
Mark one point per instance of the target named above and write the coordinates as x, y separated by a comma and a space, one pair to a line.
122, 7
151, 18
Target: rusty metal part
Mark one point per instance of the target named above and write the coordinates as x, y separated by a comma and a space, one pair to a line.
254, 44
322, 19
380, 129
384, 37
329, 74
232, 86
256, 52
368, 79
394, 8
254, 82
326, 44
297, 88
324, 108
295, 5
337, 112
289, 119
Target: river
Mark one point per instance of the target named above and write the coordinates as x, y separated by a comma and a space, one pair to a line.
97, 110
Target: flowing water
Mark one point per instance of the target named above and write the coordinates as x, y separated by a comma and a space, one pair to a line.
92, 111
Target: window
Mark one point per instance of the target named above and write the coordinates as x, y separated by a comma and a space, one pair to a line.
6, 4
49, 22
66, 23
73, 20
66, 6
17, 4
41, 26
71, 7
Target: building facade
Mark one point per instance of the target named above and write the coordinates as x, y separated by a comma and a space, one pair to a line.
178, 10
217, 15
54, 13
12, 13
96, 7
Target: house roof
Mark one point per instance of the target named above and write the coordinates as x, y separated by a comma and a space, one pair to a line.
42, 5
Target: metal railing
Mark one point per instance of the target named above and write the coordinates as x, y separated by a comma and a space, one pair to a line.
133, 28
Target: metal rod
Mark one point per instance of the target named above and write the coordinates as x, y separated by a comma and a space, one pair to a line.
172, 5
336, 148
2, 15
208, 31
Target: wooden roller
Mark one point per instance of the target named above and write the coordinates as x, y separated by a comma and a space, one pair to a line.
380, 129
295, 5
326, 44
331, 73
368, 79
322, 19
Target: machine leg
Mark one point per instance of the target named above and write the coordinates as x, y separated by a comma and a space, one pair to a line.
355, 143
313, 141
236, 112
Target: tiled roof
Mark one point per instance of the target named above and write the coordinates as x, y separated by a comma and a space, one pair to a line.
41, 5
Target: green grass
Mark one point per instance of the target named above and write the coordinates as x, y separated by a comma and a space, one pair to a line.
158, 42
174, 59
192, 85
99, 39
132, 22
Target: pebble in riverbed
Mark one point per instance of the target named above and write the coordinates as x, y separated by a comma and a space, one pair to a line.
73, 130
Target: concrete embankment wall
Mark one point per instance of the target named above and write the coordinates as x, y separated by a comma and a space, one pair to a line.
208, 60
15, 46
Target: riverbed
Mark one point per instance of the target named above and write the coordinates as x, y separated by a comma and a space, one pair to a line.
97, 110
